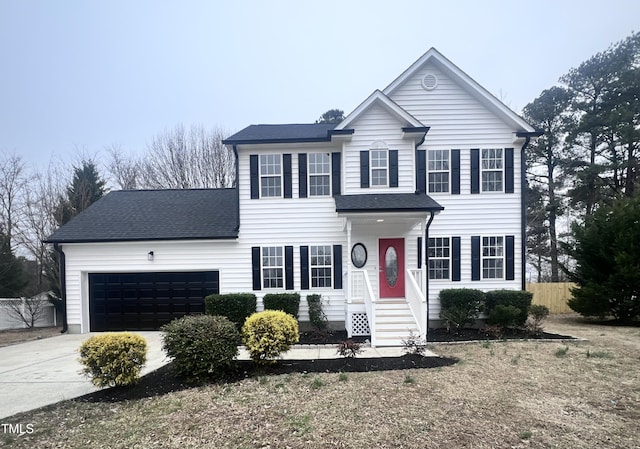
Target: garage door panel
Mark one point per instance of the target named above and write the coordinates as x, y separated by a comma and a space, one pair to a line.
146, 301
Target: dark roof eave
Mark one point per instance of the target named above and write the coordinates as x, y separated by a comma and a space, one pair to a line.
530, 134
416, 129
391, 210
155, 239
327, 138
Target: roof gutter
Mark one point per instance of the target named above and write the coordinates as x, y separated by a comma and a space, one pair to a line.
63, 285
523, 202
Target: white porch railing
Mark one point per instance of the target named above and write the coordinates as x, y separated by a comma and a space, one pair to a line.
361, 290
417, 276
417, 303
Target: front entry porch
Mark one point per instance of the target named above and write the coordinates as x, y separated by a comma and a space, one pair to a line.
386, 288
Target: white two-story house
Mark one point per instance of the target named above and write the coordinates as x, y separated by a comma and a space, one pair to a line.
419, 189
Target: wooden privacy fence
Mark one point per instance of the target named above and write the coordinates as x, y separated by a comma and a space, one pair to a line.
553, 295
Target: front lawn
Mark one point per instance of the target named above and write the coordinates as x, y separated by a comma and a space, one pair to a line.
500, 394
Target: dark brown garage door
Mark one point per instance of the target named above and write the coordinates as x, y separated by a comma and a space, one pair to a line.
146, 301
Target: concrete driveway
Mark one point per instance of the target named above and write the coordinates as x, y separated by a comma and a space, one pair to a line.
43, 372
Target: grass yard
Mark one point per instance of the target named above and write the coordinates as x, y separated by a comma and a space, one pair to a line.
10, 337
500, 395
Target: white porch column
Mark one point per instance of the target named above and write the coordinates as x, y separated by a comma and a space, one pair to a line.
423, 263
348, 252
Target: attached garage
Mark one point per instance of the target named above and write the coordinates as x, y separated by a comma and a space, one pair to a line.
146, 301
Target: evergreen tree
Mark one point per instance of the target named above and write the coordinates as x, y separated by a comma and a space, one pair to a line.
332, 116
12, 278
606, 251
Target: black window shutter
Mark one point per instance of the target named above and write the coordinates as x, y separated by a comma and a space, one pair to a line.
393, 168
255, 182
475, 171
304, 267
255, 267
509, 251
364, 169
421, 171
508, 170
288, 267
335, 173
286, 170
455, 259
337, 266
419, 252
455, 172
475, 258
302, 175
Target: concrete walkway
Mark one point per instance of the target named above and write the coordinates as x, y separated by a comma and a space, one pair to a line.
43, 372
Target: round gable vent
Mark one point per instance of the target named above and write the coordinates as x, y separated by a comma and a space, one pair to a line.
429, 81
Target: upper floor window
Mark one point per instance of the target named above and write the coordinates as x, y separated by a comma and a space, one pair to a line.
270, 175
319, 174
492, 257
272, 267
492, 169
321, 268
439, 257
438, 167
379, 168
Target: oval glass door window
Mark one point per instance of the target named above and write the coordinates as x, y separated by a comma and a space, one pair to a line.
391, 266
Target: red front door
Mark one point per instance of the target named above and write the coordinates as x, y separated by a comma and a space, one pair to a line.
391, 268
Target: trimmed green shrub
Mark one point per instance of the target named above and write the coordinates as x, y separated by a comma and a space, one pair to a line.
267, 334
537, 314
460, 306
113, 359
201, 346
517, 298
317, 318
504, 316
235, 306
287, 302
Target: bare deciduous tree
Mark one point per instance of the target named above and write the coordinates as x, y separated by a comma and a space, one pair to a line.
26, 310
181, 159
13, 180
124, 169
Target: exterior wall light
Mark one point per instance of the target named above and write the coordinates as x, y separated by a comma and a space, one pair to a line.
150, 256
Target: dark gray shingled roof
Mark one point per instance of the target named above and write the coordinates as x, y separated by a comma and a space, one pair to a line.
387, 202
310, 132
131, 215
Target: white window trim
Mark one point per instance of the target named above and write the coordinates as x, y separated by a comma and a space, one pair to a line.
260, 176
482, 170
450, 259
330, 266
263, 267
448, 171
309, 175
503, 257
372, 168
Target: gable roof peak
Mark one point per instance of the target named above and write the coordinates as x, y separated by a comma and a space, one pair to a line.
379, 97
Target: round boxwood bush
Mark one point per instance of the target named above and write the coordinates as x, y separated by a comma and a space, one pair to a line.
268, 334
113, 359
201, 346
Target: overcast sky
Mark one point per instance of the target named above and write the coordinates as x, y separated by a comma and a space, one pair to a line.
87, 74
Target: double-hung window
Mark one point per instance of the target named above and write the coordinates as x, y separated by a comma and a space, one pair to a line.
438, 167
439, 257
492, 169
319, 174
270, 175
379, 168
492, 257
272, 267
321, 266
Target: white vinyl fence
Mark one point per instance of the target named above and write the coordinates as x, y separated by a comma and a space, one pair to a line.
10, 320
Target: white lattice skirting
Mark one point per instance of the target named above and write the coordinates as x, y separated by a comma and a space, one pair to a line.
359, 325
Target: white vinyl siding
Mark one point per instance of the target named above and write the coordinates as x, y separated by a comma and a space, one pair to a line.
491, 169
270, 175
438, 169
321, 265
319, 174
492, 256
439, 258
